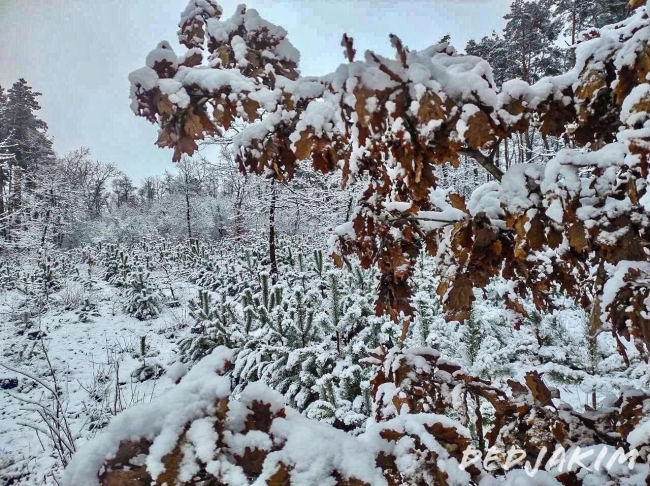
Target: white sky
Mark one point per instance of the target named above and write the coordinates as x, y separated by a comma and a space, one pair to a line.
78, 53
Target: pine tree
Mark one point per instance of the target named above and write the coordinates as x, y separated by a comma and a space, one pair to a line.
143, 299
579, 15
26, 132
530, 36
4, 124
28, 142
5, 151
492, 48
575, 16
526, 49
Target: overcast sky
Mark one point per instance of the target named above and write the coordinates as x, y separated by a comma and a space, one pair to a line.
78, 53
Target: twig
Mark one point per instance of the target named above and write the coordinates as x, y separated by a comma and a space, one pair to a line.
484, 161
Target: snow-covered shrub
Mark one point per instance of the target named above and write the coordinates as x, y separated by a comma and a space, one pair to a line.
115, 261
46, 277
498, 344
143, 300
214, 324
73, 294
9, 274
302, 331
264, 441
198, 430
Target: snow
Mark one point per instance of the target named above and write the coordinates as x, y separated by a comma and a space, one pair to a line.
177, 371
162, 53
486, 199
320, 116
519, 477
303, 88
256, 131
254, 439
313, 460
617, 279
81, 353
345, 229
464, 83
628, 114
286, 50
197, 8
250, 20
212, 79
309, 461
240, 49
143, 79
640, 436
163, 420
220, 31
146, 77
175, 91
469, 110
195, 51
515, 190
555, 211
303, 443
397, 206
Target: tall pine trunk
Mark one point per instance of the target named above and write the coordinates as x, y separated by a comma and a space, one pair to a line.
2, 202
238, 209
573, 34
187, 206
16, 197
239, 219
272, 246
48, 216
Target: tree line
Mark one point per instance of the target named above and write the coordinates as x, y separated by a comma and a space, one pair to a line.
72, 199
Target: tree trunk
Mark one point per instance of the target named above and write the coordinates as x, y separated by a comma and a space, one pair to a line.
48, 215
272, 256
239, 219
296, 223
527, 145
238, 205
16, 197
573, 34
2, 201
187, 207
47, 223
8, 208
348, 213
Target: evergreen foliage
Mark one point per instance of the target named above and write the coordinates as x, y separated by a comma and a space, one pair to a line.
143, 300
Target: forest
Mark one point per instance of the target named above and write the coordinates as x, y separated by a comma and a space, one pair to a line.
428, 268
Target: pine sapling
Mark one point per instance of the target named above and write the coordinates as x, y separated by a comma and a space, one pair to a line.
335, 308
472, 337
318, 263
303, 318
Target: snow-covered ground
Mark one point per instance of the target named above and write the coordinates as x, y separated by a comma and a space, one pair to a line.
84, 336
88, 358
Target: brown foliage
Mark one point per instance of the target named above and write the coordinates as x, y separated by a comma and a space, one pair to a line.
413, 391
386, 126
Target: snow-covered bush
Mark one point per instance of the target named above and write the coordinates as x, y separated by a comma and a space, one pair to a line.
117, 266
302, 332
73, 294
143, 300
198, 432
